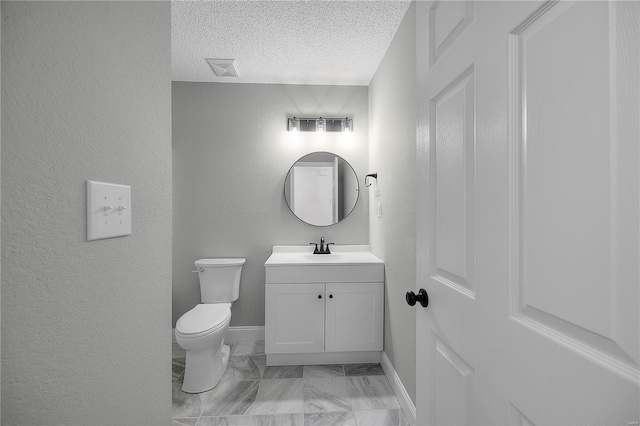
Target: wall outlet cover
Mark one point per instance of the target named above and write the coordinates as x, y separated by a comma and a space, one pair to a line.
108, 210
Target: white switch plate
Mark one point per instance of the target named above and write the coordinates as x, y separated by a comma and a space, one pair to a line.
108, 210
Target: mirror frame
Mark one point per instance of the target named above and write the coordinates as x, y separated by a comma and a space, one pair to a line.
287, 179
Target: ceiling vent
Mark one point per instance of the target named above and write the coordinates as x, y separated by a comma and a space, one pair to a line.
223, 67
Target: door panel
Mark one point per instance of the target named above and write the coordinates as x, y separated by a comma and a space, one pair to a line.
447, 21
313, 193
453, 161
455, 383
566, 190
528, 218
519, 419
557, 253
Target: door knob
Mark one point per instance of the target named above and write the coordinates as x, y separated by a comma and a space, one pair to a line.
422, 297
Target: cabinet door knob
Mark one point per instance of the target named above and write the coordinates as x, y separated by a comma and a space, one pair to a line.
331, 296
422, 297
319, 296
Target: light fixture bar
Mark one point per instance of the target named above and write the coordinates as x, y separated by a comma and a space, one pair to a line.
320, 124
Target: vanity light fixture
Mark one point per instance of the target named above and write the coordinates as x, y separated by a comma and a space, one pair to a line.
347, 125
293, 125
320, 124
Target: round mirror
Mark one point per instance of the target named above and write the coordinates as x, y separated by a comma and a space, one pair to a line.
321, 188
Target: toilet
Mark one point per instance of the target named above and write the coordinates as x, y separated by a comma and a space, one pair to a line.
201, 331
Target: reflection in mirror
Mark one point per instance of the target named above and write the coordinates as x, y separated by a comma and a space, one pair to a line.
321, 188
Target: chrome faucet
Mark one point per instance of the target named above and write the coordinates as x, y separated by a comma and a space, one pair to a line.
324, 249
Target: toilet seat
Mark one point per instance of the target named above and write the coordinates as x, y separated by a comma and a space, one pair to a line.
203, 319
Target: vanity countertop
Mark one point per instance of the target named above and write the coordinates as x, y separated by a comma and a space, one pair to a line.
340, 255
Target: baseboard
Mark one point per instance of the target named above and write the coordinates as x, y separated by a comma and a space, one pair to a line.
408, 407
245, 334
236, 334
368, 357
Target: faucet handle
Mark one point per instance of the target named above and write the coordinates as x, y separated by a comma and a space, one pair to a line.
316, 251
327, 248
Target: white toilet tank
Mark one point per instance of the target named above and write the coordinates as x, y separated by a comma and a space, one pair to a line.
219, 279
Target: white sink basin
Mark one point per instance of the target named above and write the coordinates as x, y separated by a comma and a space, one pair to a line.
340, 255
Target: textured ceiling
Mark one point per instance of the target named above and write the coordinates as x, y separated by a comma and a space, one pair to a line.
292, 42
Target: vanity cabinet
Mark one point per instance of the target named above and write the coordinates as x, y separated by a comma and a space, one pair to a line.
324, 309
324, 317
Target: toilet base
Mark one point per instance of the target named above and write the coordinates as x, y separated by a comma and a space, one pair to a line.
204, 368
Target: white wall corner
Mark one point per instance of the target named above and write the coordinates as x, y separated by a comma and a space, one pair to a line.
236, 334
408, 407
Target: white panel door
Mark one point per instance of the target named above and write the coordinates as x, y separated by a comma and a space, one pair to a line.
313, 193
528, 212
294, 318
354, 313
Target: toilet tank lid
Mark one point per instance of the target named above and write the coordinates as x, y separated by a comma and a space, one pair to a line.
219, 262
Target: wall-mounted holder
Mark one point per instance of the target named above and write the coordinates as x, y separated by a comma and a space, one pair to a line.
370, 175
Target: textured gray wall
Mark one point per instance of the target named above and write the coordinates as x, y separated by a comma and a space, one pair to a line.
392, 151
86, 92
0, 213
231, 153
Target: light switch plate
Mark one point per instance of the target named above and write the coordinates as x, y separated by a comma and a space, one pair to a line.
108, 210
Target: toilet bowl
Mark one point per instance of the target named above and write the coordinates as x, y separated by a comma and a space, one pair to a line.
201, 330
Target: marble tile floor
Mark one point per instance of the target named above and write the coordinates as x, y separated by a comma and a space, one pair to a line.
250, 393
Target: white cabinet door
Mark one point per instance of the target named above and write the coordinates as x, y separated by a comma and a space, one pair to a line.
354, 317
528, 212
294, 318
